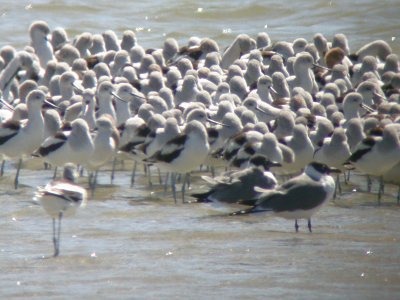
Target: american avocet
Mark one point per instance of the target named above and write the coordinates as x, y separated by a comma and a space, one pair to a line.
298, 198
376, 155
334, 152
183, 153
61, 198
74, 145
39, 32
21, 138
105, 92
105, 144
303, 76
21, 61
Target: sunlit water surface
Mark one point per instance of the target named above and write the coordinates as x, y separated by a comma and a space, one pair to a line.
135, 243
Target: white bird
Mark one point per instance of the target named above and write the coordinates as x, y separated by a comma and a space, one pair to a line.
74, 145
183, 153
61, 198
21, 138
376, 155
39, 32
105, 144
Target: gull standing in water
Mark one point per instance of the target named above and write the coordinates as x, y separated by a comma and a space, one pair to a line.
61, 198
298, 198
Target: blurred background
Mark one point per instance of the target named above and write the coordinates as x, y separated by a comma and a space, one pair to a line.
361, 20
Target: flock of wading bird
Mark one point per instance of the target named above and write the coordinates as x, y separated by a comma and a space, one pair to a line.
253, 110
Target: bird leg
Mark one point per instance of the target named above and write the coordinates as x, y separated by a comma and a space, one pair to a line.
94, 182
173, 187
54, 237
369, 183
2, 167
57, 250
296, 226
185, 180
348, 176
159, 176
17, 174
398, 196
55, 173
114, 165
338, 187
380, 189
149, 176
166, 183
212, 172
309, 225
133, 173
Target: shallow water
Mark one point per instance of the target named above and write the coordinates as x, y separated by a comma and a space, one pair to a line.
361, 20
135, 243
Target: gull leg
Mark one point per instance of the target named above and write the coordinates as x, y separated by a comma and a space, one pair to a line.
309, 225
296, 226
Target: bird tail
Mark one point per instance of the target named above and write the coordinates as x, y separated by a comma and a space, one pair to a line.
202, 197
252, 210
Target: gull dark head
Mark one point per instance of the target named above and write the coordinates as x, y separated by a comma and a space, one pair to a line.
316, 170
261, 161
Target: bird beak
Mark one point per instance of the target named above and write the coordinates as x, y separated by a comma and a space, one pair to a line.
272, 89
75, 85
367, 108
118, 97
138, 96
6, 104
379, 96
321, 67
51, 104
216, 122
263, 111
